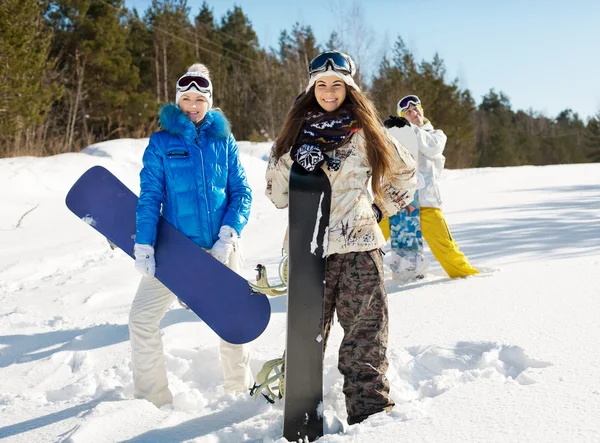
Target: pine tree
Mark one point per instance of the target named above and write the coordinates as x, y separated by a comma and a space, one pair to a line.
334, 43
527, 129
143, 105
296, 49
568, 143
140, 46
445, 105
209, 47
101, 79
592, 138
495, 141
173, 41
240, 80
26, 90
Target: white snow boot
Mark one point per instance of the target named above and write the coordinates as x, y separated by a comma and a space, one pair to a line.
409, 267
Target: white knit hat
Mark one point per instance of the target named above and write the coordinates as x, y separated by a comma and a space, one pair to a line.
193, 87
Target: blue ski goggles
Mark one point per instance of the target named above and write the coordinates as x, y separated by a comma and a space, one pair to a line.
405, 102
331, 59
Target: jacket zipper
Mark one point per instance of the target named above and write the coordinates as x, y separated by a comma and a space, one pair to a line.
204, 183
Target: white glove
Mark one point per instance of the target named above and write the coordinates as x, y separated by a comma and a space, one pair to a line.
144, 259
420, 181
223, 247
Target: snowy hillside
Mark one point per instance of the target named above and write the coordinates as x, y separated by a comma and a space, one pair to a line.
510, 355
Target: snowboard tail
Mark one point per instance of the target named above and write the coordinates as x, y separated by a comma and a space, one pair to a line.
218, 295
406, 229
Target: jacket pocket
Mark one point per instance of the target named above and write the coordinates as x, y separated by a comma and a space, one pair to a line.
175, 154
447, 230
376, 256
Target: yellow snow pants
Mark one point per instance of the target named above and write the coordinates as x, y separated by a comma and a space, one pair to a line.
384, 224
442, 245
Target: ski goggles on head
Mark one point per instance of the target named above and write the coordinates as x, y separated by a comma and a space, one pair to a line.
194, 80
405, 102
332, 59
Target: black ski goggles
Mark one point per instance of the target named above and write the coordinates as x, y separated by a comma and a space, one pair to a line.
194, 80
405, 102
337, 61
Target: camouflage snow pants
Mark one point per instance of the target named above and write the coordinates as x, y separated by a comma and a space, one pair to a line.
355, 289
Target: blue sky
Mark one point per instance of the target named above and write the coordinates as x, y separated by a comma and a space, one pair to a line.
544, 54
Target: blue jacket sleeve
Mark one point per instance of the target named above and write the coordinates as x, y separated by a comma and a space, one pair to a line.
238, 190
152, 186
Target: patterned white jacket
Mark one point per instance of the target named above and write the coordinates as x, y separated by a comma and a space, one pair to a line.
352, 223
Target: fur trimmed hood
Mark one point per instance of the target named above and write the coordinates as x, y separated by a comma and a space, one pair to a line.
175, 122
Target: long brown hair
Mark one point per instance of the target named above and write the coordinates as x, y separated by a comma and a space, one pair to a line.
381, 152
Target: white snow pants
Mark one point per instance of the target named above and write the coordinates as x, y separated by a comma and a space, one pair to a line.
150, 304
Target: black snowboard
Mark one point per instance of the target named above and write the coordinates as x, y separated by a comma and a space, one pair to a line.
309, 206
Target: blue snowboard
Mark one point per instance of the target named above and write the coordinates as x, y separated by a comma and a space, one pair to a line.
217, 294
405, 231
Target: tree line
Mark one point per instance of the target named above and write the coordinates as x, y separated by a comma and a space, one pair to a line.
77, 72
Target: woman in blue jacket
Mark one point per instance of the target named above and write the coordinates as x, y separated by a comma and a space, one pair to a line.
193, 177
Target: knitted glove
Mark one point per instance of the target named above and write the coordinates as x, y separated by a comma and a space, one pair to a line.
308, 156
144, 259
223, 247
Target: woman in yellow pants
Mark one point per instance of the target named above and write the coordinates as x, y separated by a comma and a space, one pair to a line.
430, 161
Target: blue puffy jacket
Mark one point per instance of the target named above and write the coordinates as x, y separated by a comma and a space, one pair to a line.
196, 175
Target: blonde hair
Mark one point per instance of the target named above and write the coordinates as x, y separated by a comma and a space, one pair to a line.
199, 67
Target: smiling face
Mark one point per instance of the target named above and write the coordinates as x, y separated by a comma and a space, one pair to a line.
330, 92
414, 115
194, 106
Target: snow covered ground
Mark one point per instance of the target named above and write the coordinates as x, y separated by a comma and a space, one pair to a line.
511, 355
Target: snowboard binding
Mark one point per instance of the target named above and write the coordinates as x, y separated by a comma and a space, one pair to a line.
270, 380
262, 285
